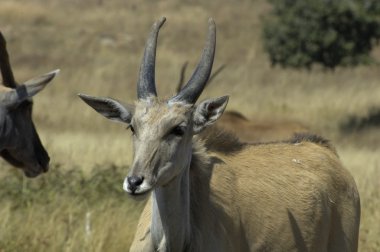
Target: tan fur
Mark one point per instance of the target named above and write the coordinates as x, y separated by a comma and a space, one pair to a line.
155, 111
260, 130
268, 197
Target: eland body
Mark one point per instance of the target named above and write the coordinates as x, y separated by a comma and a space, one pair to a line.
20, 144
210, 192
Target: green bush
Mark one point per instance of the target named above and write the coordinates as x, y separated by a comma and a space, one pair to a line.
300, 33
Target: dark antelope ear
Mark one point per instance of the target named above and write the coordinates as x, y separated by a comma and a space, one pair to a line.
207, 112
35, 85
110, 108
11, 96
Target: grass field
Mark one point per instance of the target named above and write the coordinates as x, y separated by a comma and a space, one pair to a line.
79, 205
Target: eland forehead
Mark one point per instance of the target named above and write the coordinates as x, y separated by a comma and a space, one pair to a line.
157, 114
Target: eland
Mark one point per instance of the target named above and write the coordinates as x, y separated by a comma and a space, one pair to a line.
20, 144
251, 131
260, 130
208, 196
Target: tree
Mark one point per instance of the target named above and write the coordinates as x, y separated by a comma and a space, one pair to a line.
300, 33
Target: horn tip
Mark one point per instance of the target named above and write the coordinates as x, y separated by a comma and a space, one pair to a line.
160, 22
211, 25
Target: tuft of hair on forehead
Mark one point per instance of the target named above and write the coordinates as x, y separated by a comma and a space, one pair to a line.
157, 101
163, 104
156, 110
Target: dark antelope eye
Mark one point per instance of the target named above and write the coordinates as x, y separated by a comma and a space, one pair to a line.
131, 128
178, 131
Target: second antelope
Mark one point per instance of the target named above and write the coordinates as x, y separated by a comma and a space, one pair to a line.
251, 131
20, 144
289, 196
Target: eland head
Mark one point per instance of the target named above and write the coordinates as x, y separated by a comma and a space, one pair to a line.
163, 128
20, 144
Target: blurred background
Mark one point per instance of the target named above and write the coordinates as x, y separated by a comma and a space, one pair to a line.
79, 204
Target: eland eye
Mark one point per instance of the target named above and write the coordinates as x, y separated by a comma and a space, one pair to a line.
178, 131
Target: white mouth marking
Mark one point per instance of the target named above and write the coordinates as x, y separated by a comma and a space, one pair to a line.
143, 188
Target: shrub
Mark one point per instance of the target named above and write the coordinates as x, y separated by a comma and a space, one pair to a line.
299, 33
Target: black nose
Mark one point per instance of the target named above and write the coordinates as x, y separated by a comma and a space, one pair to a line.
134, 182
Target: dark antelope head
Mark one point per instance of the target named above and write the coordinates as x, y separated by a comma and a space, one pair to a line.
163, 129
20, 144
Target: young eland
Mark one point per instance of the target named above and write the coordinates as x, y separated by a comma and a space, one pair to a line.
286, 196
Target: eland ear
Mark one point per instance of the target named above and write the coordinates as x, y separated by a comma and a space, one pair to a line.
12, 96
207, 112
110, 108
35, 85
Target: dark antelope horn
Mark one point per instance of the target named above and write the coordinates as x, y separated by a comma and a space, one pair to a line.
182, 76
198, 80
5, 66
146, 85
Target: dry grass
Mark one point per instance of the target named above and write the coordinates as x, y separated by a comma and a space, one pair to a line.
98, 46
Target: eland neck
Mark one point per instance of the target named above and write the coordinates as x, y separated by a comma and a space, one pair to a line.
171, 214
